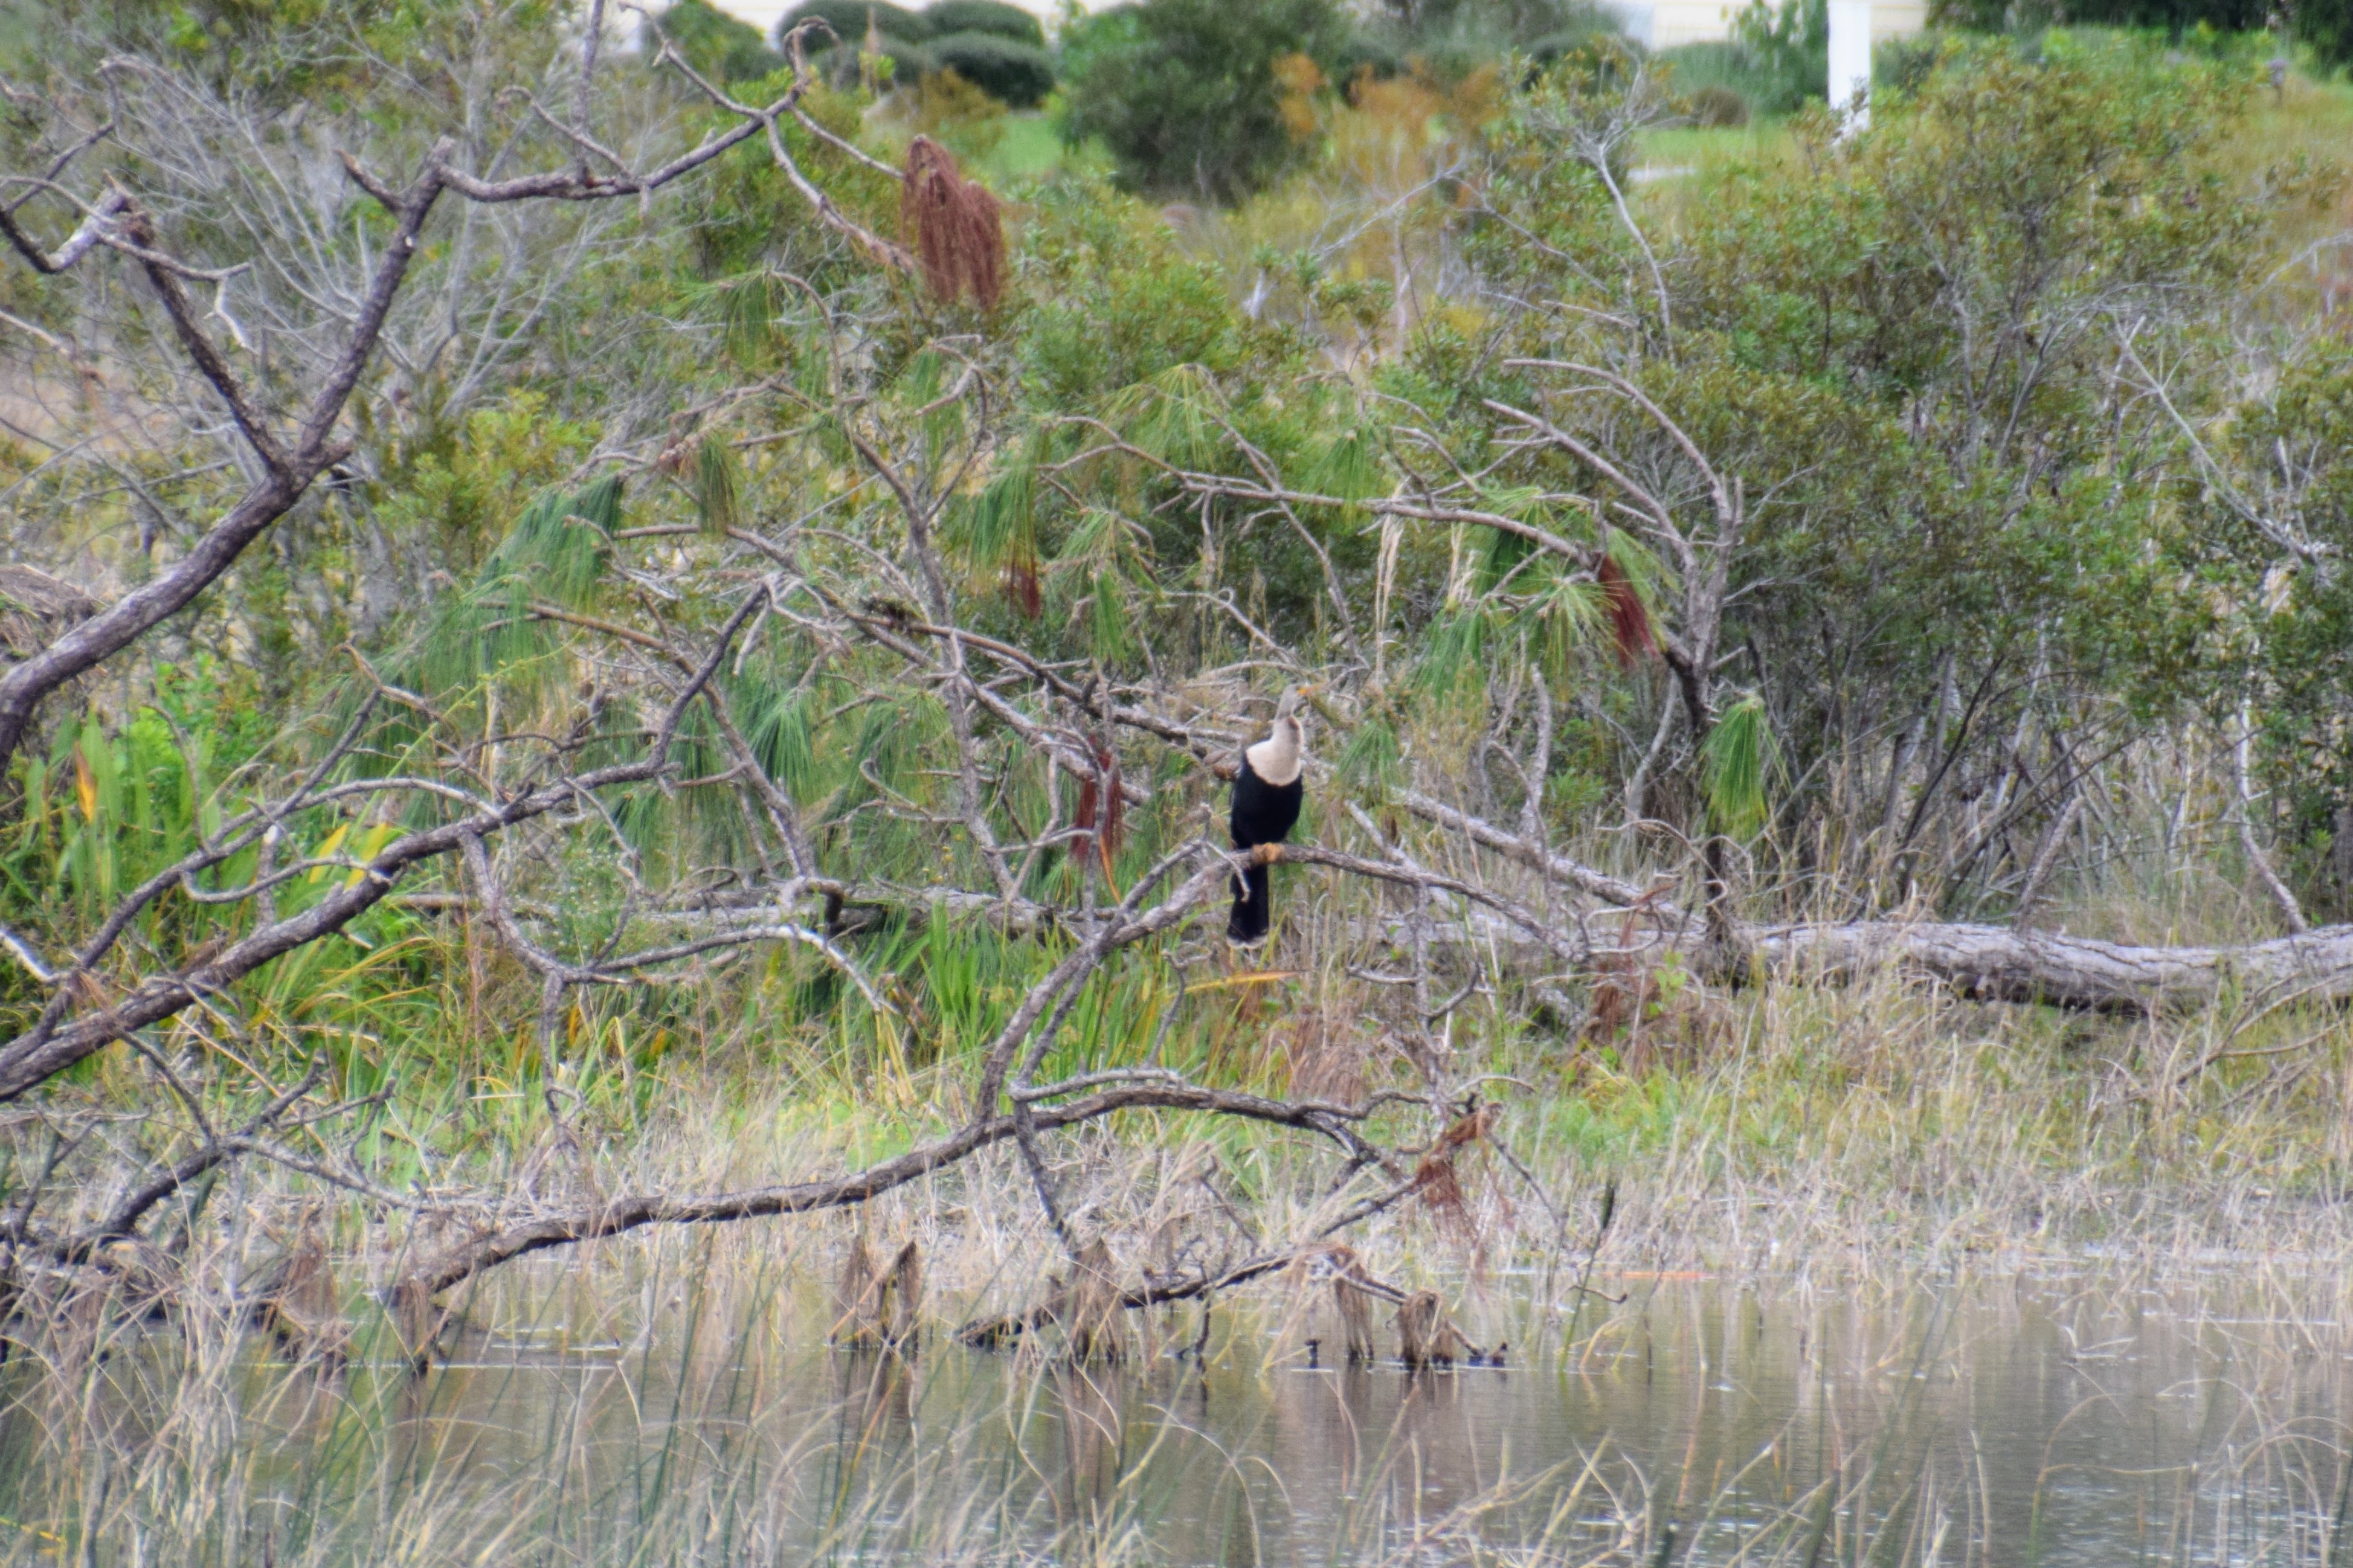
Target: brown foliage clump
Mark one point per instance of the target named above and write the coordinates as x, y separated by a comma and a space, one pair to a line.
1428, 1337
857, 1297
952, 225
1629, 621
1651, 1015
1023, 588
1099, 794
1435, 1178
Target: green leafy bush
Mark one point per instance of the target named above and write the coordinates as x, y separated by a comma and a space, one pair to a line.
908, 62
718, 45
1020, 74
2327, 28
1450, 38
848, 20
953, 17
1184, 94
2174, 16
1547, 48
1786, 51
1716, 106
1773, 62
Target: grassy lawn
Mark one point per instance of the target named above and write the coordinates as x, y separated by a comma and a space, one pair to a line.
2307, 116
1030, 149
1692, 147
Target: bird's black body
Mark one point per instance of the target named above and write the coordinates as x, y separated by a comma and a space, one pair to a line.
1263, 813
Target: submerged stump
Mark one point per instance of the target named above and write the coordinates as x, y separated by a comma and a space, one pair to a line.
1093, 1305
874, 1305
296, 1301
1354, 1303
1426, 1337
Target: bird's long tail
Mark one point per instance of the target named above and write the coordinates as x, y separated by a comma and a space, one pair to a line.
1250, 920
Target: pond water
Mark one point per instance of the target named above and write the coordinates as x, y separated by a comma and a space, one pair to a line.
2049, 1421
2030, 1420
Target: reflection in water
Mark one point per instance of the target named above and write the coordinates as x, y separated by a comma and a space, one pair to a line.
1991, 1426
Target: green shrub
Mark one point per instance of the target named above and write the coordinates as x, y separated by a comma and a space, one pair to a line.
952, 17
1695, 69
847, 18
1773, 62
1786, 51
1367, 50
1693, 66
2327, 28
1556, 46
1905, 65
910, 63
1182, 92
1018, 74
718, 45
1714, 106
2174, 17
1450, 38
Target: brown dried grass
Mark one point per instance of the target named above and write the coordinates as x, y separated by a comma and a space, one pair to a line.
1329, 1056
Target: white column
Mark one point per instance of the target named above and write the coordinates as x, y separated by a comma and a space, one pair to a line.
1850, 55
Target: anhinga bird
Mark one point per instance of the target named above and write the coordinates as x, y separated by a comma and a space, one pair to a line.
1267, 791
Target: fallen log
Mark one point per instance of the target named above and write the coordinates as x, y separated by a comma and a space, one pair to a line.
1997, 963
1989, 963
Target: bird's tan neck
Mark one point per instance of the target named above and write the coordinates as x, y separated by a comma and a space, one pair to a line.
1277, 758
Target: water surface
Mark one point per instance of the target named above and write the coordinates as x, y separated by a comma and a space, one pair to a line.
2049, 1420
